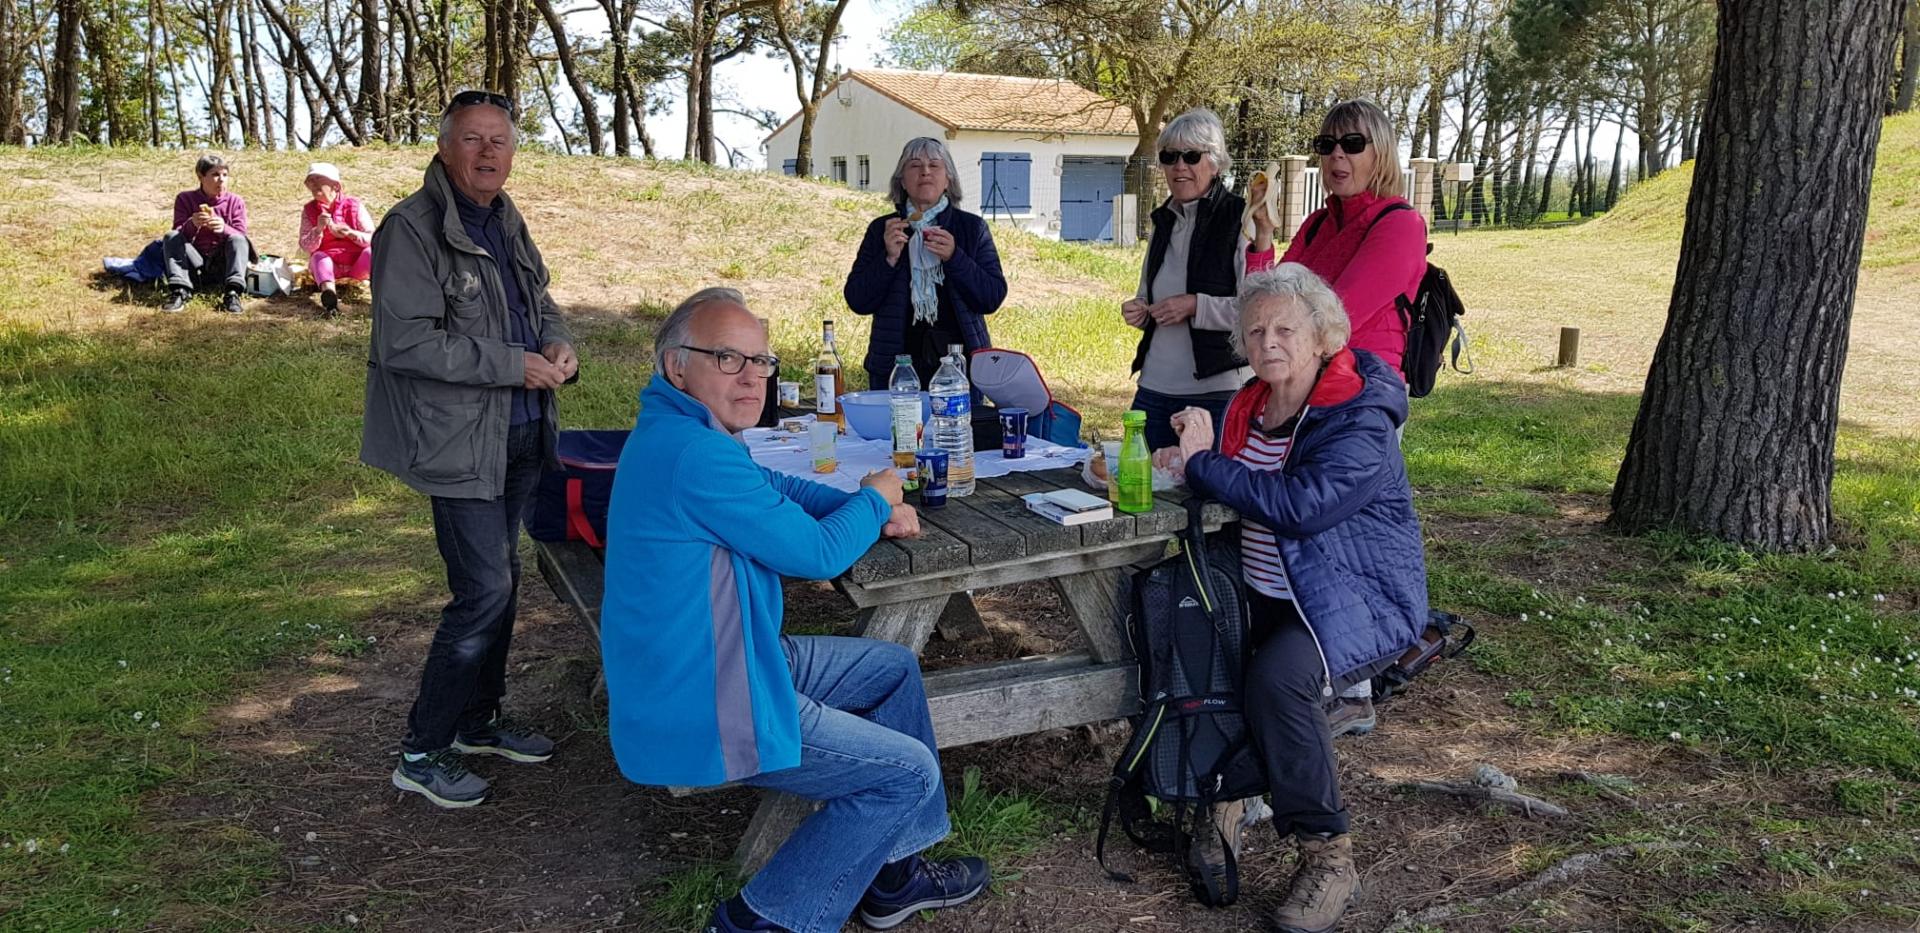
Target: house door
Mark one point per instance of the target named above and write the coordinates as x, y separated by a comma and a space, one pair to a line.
1088, 185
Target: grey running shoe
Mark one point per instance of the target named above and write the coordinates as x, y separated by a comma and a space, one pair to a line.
506, 738
442, 778
931, 886
176, 300
231, 304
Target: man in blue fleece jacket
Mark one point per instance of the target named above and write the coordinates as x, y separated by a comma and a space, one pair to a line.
703, 689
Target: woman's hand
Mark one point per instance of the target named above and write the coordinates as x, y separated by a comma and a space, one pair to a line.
1263, 220
1170, 460
939, 242
895, 239
1173, 310
1195, 429
1134, 312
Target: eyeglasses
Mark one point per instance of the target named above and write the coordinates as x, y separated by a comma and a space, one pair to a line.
1189, 156
471, 98
731, 362
1351, 144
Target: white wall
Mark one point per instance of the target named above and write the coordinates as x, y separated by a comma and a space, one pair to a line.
876, 126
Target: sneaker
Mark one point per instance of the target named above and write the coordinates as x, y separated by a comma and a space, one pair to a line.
231, 303
931, 885
1322, 886
1351, 716
441, 777
176, 299
1207, 856
722, 922
506, 738
329, 303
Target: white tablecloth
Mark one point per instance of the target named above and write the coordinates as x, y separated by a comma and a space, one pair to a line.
787, 452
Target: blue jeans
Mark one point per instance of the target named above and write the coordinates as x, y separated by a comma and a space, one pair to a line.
1160, 407
465, 676
867, 750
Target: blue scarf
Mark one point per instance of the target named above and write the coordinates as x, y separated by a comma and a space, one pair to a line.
928, 273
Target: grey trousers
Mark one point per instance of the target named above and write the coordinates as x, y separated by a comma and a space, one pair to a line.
186, 268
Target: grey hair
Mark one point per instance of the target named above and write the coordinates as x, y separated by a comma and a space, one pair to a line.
1366, 118
1291, 281
920, 148
446, 123
1200, 129
678, 328
208, 163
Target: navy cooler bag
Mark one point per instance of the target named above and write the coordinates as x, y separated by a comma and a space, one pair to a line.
571, 503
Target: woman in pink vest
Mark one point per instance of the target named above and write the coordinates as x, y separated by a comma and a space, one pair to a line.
1367, 242
336, 234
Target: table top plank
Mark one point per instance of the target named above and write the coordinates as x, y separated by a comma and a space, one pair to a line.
1120, 527
983, 533
1041, 534
883, 560
934, 551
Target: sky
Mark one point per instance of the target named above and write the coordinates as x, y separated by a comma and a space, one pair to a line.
762, 83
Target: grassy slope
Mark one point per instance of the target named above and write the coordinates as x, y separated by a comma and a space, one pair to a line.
180, 493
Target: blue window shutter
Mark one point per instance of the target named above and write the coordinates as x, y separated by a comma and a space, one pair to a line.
1006, 182
790, 166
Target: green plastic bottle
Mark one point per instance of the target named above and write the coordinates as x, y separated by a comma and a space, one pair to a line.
1135, 475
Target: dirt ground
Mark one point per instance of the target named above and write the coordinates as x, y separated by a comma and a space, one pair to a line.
570, 845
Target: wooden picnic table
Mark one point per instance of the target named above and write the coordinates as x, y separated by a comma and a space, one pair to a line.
902, 588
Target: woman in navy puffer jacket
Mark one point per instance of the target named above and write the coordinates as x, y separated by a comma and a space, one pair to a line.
1330, 550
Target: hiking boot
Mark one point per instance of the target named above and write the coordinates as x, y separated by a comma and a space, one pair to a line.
442, 778
231, 303
1321, 886
930, 886
177, 299
1351, 716
506, 738
329, 303
1207, 856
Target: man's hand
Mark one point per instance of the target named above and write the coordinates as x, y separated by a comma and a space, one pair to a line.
939, 242
561, 355
1134, 312
903, 523
1173, 310
895, 239
1195, 428
542, 373
887, 483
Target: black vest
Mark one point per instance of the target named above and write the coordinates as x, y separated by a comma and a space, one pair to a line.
1216, 234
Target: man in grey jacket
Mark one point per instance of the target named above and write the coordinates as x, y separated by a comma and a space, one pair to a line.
467, 350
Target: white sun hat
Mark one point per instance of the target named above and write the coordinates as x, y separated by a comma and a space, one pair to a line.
326, 170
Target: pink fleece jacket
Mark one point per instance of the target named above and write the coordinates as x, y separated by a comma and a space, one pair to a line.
1368, 265
346, 211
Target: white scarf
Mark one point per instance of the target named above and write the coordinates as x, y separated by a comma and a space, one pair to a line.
928, 273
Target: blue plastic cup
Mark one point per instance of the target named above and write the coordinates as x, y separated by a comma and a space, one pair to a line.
1013, 433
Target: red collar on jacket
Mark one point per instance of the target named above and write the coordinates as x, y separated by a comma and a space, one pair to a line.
1339, 381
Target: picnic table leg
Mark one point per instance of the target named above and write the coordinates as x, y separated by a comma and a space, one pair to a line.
960, 621
1095, 601
778, 815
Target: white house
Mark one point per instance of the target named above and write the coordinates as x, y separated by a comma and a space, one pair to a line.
1048, 155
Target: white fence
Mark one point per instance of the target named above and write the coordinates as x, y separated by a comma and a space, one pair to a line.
1316, 194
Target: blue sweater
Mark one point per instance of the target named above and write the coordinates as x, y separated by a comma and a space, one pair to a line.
698, 537
1340, 509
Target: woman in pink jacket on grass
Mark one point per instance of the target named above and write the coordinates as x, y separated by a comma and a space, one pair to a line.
1367, 242
336, 233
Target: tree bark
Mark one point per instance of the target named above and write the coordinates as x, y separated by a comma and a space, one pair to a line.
1909, 60
1735, 433
367, 112
1553, 161
589, 108
63, 85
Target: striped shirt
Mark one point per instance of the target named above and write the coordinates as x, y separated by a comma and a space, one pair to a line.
1259, 556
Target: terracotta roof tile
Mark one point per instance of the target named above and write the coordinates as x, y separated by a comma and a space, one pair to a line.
997, 102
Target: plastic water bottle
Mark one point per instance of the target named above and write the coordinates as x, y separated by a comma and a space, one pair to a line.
1134, 477
903, 401
953, 419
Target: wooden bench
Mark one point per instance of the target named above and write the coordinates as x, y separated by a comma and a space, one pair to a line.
902, 589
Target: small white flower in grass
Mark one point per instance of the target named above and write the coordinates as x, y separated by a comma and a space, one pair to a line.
371, 639
1523, 617
66, 847
1674, 736
1879, 597
114, 912
138, 715
311, 836
123, 663
153, 725
351, 919
32, 846
1660, 705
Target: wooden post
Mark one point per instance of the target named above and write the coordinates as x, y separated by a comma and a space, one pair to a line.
1569, 347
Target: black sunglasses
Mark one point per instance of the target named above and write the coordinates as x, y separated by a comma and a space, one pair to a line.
471, 98
1351, 144
1189, 156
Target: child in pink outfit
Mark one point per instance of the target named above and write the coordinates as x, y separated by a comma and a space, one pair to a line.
336, 233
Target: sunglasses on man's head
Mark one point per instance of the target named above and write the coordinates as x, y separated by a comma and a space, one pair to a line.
1189, 156
1351, 144
470, 98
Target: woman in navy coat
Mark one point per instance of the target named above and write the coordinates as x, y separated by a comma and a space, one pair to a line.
927, 273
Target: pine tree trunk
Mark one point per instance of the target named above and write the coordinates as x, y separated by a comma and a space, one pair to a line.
367, 109
1735, 432
63, 91
1909, 60
589, 107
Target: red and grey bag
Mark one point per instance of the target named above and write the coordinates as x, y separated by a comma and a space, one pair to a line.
571, 503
